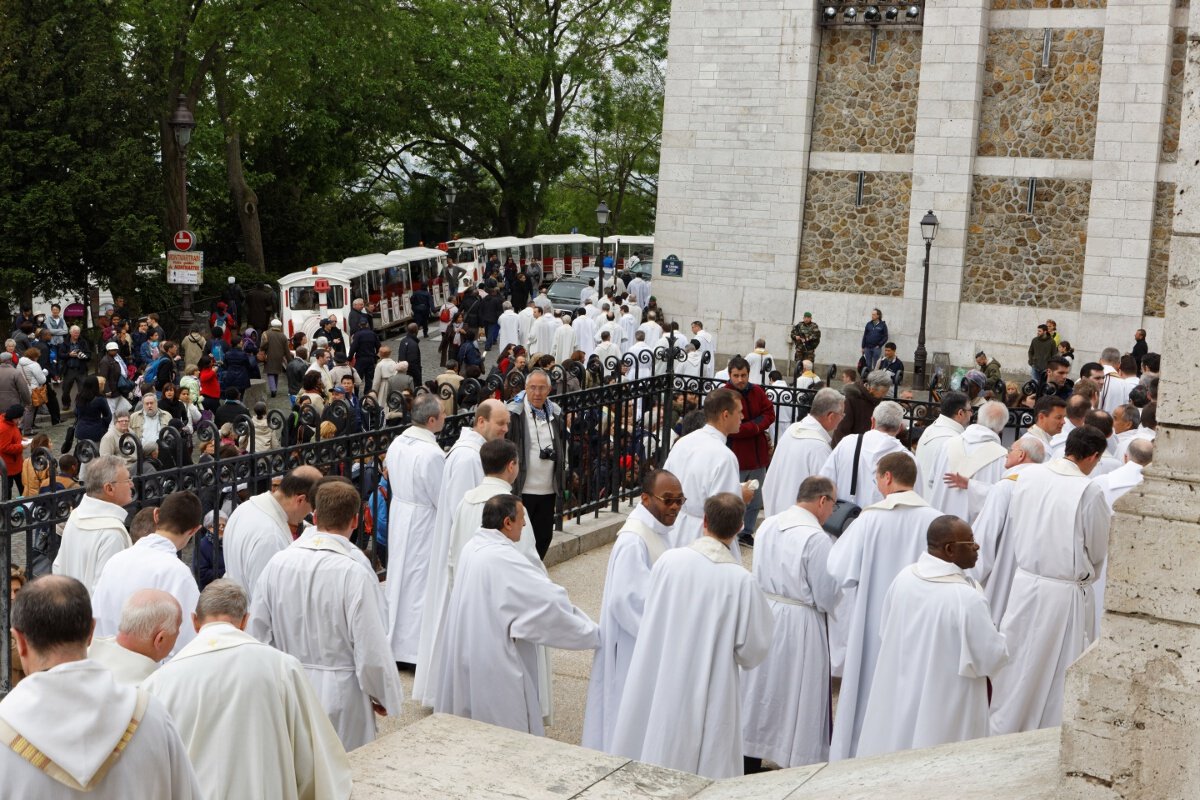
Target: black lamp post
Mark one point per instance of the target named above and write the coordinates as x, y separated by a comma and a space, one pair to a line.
182, 123
602, 218
929, 226
448, 195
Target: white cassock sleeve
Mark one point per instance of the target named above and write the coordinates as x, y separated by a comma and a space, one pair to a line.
825, 588
845, 562
1095, 518
628, 599
373, 662
322, 770
755, 627
545, 614
984, 649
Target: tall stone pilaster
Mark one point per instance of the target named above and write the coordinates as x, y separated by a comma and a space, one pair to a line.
1131, 720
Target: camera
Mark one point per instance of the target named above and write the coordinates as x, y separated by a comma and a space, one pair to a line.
547, 453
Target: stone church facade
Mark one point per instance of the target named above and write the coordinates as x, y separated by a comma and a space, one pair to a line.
798, 159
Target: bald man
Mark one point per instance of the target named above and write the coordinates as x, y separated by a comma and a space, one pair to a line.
935, 616
150, 621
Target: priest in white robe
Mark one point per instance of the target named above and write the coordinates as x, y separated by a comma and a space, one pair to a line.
651, 328
801, 451
73, 717
320, 601
262, 526
939, 645
1125, 428
705, 465
1059, 524
461, 473
541, 334
629, 325
499, 465
248, 715
996, 565
415, 463
585, 335
564, 339
640, 359
525, 318
150, 622
954, 416
970, 464
858, 485
95, 530
510, 329
1049, 414
1077, 408
152, 563
501, 608
886, 538
642, 540
704, 622
607, 352
787, 697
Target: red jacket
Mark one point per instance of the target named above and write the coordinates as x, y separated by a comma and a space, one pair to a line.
750, 444
11, 449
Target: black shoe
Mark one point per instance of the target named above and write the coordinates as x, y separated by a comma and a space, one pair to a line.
272, 394
405, 666
746, 539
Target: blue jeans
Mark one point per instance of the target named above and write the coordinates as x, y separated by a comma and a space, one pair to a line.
756, 503
871, 354
493, 333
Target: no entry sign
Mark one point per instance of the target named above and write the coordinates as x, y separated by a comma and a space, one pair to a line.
184, 240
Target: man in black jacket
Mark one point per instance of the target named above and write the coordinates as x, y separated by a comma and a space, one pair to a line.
410, 351
491, 307
536, 428
364, 352
73, 356
295, 372
333, 335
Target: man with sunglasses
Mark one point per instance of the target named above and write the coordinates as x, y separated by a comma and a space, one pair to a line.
935, 616
644, 537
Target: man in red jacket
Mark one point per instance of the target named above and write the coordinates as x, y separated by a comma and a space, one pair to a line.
750, 444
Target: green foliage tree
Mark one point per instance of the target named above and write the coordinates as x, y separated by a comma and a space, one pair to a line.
78, 184
501, 83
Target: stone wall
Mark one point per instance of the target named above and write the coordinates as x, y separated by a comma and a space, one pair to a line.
862, 107
1034, 112
1023, 5
852, 248
1019, 259
1160, 251
1170, 135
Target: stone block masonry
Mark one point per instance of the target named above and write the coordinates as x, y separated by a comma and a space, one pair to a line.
1023, 259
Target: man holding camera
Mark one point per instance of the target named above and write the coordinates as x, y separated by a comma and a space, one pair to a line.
536, 428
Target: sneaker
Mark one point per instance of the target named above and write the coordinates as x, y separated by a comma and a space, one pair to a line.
746, 539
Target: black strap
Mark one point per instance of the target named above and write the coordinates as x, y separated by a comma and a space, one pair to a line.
854, 475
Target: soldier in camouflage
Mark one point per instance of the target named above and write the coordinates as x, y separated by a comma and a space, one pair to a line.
806, 335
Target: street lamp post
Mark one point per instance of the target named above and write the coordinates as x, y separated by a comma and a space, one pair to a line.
182, 123
449, 195
929, 226
602, 218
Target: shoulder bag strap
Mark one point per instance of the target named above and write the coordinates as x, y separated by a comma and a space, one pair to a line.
854, 473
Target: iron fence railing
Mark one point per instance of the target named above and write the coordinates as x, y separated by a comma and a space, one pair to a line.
620, 416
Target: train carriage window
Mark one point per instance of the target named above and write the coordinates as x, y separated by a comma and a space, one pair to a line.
302, 298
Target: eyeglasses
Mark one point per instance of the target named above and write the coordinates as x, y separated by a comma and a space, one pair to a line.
670, 501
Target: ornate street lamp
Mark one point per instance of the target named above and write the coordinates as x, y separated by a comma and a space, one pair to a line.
448, 194
182, 123
929, 227
602, 218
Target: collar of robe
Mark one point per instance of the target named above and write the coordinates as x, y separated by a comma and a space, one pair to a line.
642, 514
1068, 469
75, 714
797, 517
469, 437
267, 504
907, 499
713, 550
420, 434
313, 539
935, 570
806, 428
213, 637
488, 488
1039, 434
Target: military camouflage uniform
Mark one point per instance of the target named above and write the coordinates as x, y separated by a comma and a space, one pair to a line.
807, 337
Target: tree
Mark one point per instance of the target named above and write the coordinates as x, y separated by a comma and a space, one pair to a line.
500, 82
77, 170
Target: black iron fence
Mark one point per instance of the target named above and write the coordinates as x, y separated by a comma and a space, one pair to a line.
620, 417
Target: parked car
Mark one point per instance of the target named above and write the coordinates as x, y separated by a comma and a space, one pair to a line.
565, 293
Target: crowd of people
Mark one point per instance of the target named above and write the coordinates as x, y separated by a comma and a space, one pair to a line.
879, 542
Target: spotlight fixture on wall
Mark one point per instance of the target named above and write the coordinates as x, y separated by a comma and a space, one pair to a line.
845, 13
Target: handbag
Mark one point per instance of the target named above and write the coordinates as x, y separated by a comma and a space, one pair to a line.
844, 511
38, 397
445, 315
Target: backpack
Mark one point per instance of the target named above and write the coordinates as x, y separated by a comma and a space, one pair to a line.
380, 495
150, 376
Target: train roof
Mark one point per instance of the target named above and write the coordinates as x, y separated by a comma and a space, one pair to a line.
566, 238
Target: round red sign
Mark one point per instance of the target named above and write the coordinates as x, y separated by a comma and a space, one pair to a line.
184, 240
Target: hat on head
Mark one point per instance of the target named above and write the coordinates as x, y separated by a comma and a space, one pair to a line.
976, 377
15, 411
276, 323
338, 389
111, 346
808, 315
232, 279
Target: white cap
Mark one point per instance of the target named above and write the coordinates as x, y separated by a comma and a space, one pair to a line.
276, 323
232, 279
111, 346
